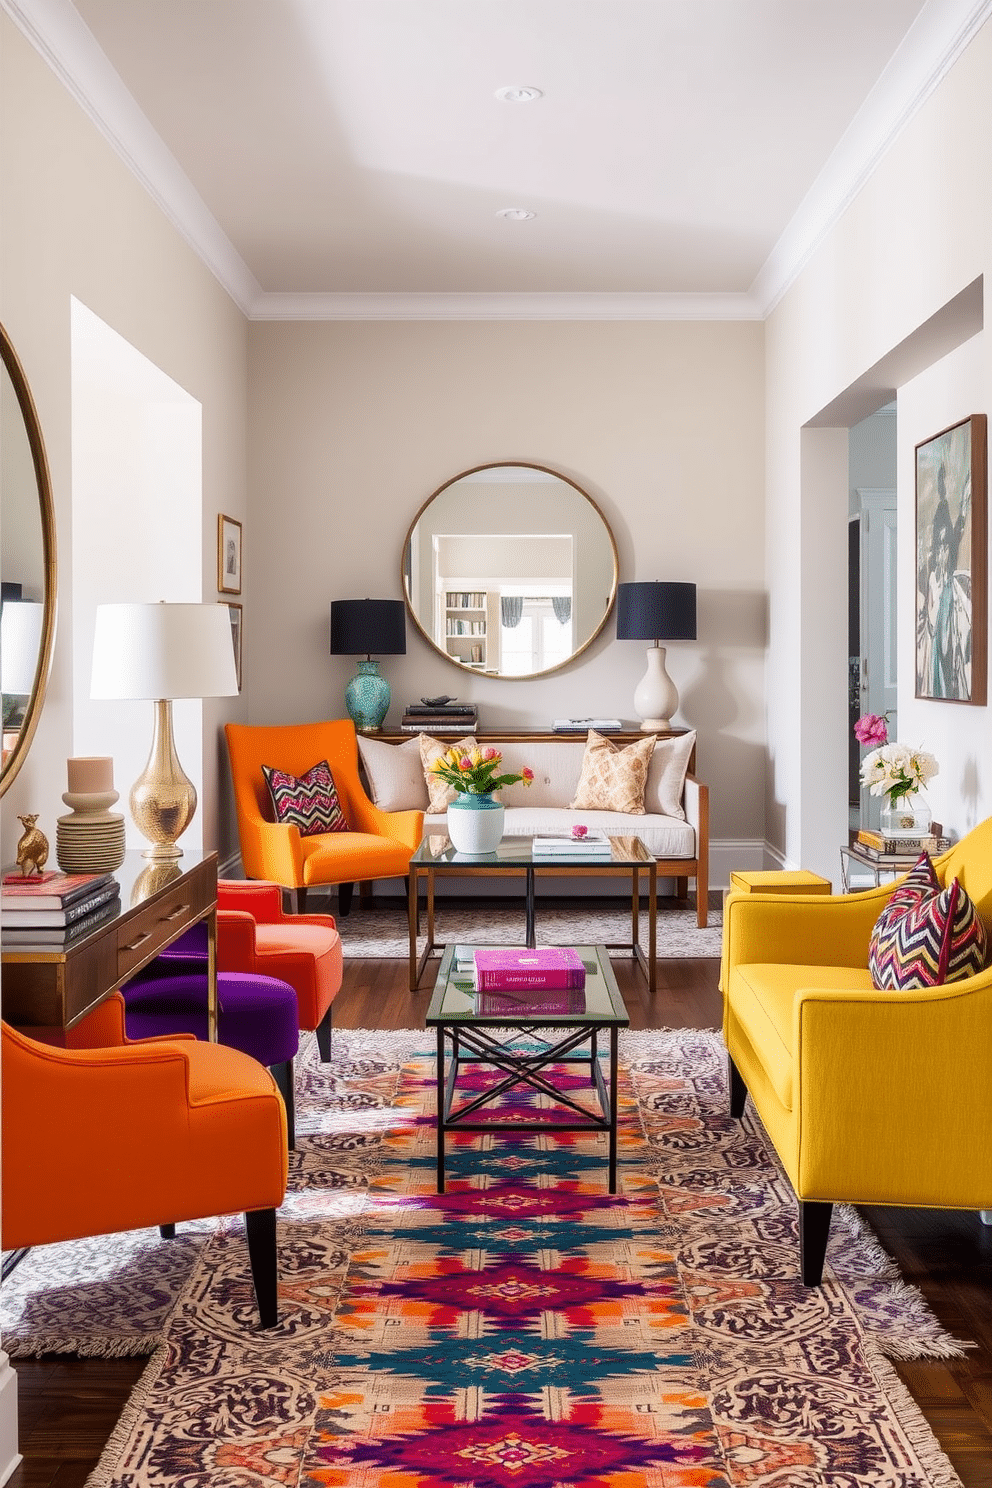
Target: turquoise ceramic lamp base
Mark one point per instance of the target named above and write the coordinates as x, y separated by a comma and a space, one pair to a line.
367, 698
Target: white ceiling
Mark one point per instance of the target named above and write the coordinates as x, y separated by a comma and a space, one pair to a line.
349, 157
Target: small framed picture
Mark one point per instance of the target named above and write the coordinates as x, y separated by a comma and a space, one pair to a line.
228, 555
235, 612
951, 542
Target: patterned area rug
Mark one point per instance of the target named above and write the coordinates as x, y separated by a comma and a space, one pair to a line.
525, 1330
383, 931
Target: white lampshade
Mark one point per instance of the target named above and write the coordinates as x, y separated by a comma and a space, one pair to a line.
20, 643
163, 651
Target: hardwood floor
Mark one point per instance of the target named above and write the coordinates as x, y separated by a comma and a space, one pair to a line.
68, 1407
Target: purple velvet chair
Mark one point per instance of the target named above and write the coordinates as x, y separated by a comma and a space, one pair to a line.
256, 1014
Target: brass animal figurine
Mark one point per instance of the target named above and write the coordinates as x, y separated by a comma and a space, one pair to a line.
32, 850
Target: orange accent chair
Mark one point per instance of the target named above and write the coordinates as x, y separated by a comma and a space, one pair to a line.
379, 844
109, 1135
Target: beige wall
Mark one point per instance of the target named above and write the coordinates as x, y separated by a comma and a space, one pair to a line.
919, 232
353, 426
75, 221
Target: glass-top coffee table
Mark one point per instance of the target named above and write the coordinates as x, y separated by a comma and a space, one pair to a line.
524, 1046
436, 858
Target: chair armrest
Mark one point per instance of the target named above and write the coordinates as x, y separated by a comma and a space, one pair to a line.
695, 803
913, 1068
272, 850
803, 929
406, 827
235, 940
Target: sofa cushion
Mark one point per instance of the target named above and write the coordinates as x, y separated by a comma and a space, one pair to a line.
926, 935
762, 998
395, 773
612, 778
662, 835
439, 792
666, 775
308, 801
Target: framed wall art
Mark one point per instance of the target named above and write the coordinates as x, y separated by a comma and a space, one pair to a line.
236, 613
951, 569
228, 555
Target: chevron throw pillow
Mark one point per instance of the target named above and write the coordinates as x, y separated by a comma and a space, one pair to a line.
309, 802
926, 935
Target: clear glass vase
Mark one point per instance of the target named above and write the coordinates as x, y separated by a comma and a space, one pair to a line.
909, 816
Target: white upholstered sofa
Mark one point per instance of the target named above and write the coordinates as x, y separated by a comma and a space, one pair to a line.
674, 826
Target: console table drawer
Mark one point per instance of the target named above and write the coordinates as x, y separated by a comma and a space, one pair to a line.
149, 930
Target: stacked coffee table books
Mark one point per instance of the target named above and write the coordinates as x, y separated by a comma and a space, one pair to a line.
573, 846
54, 909
450, 717
532, 1014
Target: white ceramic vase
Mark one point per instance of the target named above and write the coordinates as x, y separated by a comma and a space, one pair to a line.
475, 823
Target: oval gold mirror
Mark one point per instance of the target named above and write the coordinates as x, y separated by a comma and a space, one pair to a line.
509, 570
27, 564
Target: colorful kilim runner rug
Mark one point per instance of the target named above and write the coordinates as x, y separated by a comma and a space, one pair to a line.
525, 1330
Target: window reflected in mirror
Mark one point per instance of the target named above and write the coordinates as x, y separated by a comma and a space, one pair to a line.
509, 570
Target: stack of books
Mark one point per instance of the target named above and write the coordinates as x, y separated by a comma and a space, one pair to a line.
440, 718
55, 909
564, 845
528, 981
583, 725
878, 845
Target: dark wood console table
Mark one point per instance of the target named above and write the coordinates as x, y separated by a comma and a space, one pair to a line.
47, 990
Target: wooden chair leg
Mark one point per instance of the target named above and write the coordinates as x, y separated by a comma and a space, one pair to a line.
324, 1036
283, 1076
260, 1225
814, 1228
167, 1231
345, 891
738, 1090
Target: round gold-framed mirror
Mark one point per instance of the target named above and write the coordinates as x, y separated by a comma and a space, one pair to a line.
509, 570
27, 564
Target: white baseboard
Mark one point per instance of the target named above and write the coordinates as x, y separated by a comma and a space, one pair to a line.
10, 1457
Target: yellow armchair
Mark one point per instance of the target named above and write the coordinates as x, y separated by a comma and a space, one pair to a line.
869, 1097
379, 845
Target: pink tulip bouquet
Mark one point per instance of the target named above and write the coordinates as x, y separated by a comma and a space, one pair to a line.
475, 772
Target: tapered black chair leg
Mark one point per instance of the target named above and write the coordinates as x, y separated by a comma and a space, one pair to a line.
260, 1225
738, 1090
283, 1076
814, 1228
324, 1036
345, 892
297, 901
167, 1231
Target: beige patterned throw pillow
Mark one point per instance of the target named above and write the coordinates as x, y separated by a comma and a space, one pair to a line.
613, 779
441, 794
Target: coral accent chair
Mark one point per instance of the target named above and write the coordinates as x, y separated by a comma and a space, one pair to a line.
379, 844
116, 1136
255, 936
869, 1097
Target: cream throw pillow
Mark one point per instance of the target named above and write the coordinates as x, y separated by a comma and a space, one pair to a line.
441, 794
666, 775
613, 779
395, 773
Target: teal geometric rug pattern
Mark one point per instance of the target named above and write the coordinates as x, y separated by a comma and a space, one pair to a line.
526, 1329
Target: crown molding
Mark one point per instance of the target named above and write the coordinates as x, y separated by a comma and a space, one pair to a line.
941, 32
58, 33
504, 306
938, 36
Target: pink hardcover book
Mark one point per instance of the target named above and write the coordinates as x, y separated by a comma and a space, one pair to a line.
511, 968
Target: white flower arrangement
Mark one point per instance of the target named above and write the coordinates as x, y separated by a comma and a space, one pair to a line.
897, 771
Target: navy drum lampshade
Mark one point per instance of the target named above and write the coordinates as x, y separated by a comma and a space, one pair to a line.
360, 627
656, 611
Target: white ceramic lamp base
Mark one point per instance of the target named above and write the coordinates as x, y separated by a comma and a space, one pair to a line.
656, 697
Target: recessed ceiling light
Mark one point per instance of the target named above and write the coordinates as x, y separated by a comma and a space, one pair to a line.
515, 214
518, 94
